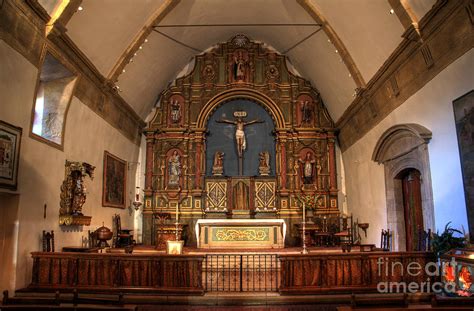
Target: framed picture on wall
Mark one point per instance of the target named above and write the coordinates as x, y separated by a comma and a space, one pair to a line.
115, 181
464, 117
10, 140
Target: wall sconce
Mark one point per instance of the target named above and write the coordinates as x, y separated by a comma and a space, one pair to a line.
136, 204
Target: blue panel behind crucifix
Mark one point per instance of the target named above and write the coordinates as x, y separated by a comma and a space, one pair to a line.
258, 138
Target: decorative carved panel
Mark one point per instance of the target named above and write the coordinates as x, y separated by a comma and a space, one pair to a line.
265, 194
216, 198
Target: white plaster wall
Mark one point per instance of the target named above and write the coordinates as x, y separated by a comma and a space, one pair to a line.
431, 107
41, 170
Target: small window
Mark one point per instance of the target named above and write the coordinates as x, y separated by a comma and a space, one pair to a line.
55, 88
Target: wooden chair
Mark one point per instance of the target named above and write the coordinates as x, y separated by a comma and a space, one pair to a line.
123, 237
424, 240
344, 237
386, 240
48, 241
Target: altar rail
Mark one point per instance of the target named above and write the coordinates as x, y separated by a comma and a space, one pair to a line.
178, 274
241, 273
349, 272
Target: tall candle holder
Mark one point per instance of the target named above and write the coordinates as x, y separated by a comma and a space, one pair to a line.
304, 251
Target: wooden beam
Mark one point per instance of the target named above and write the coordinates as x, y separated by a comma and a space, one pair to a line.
403, 12
124, 59
341, 48
69, 11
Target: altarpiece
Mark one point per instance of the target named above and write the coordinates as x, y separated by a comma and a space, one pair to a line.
240, 136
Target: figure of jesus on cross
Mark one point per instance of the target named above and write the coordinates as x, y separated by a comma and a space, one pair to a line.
239, 130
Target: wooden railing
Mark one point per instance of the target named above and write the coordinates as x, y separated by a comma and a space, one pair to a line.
351, 272
177, 274
241, 273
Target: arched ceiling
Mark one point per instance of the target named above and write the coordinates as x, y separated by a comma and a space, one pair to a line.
356, 37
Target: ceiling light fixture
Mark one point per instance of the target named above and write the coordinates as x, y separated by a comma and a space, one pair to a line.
80, 8
392, 11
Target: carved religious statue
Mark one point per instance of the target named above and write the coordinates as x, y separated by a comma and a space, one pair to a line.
240, 67
308, 168
175, 111
264, 163
174, 169
73, 189
218, 164
239, 130
306, 112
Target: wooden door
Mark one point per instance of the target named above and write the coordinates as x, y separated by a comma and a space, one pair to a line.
411, 183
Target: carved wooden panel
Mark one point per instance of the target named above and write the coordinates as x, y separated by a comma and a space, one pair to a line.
216, 198
153, 273
265, 195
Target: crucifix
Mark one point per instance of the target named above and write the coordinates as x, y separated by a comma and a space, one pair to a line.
240, 134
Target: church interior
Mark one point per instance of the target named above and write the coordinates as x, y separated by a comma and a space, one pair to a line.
260, 154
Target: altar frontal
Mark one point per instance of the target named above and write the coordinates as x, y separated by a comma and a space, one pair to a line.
240, 233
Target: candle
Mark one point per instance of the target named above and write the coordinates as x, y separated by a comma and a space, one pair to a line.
304, 212
177, 211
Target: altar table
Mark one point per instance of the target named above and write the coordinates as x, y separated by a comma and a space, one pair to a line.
240, 233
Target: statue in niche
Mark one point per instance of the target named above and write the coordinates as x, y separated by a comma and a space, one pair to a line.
306, 112
175, 111
239, 130
308, 168
218, 164
264, 163
239, 67
73, 189
174, 169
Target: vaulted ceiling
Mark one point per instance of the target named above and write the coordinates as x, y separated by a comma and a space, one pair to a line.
354, 40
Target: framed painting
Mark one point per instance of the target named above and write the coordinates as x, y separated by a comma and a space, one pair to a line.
115, 181
10, 140
464, 117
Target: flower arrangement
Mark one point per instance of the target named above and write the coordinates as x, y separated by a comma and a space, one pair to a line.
311, 202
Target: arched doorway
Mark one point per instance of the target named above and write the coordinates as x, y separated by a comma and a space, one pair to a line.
403, 151
410, 181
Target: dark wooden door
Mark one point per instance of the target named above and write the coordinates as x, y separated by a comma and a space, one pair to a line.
411, 182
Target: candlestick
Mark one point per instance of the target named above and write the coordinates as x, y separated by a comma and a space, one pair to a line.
177, 214
304, 251
177, 219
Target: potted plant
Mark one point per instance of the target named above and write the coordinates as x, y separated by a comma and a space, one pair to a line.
442, 243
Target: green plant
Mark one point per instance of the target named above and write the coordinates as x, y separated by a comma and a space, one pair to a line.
311, 202
441, 243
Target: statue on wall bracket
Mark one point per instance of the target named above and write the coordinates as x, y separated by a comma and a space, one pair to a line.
264, 163
218, 164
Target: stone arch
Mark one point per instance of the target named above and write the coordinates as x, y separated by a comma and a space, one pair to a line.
402, 147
